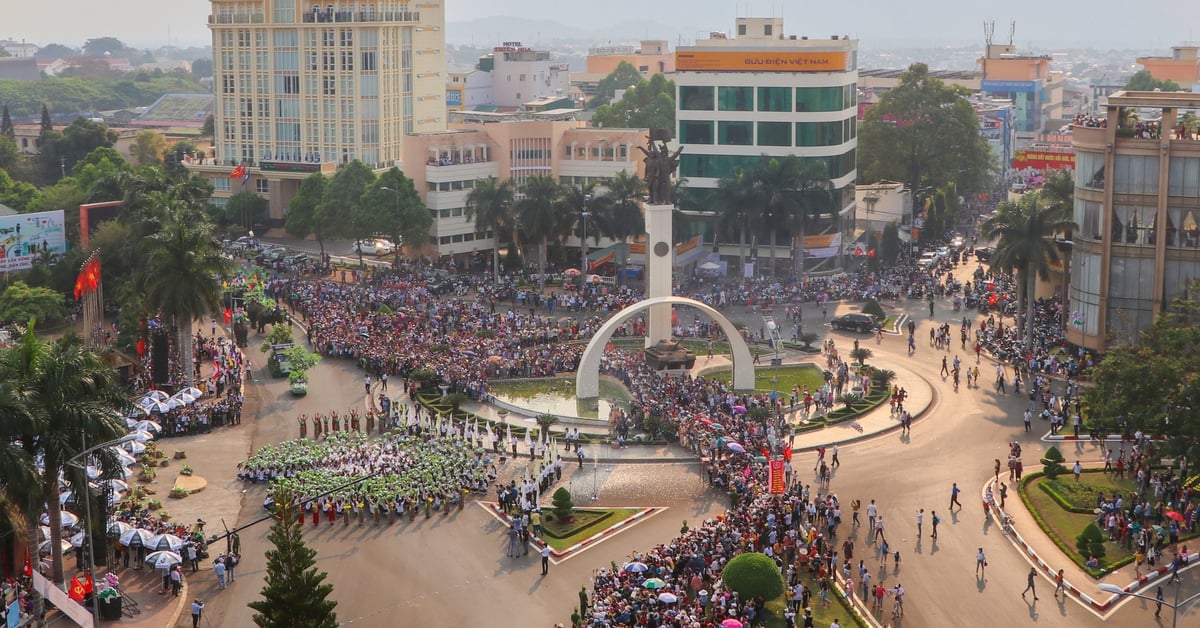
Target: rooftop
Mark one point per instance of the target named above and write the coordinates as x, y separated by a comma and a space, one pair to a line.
178, 109
1186, 100
960, 75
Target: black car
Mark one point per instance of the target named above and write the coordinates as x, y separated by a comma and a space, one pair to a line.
856, 322
984, 254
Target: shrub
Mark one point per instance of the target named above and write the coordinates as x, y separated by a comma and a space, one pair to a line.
563, 506
808, 338
1054, 463
753, 575
860, 354
872, 307
1090, 542
178, 493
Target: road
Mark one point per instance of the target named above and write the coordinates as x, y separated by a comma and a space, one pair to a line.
451, 571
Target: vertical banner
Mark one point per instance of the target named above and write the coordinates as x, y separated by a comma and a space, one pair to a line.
776, 477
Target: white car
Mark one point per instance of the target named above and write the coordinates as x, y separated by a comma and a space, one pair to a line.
928, 259
377, 246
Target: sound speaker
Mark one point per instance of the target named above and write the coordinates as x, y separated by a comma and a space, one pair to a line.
160, 358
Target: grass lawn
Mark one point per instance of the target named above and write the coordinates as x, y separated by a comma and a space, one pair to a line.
530, 388
822, 616
889, 323
1064, 525
585, 523
802, 375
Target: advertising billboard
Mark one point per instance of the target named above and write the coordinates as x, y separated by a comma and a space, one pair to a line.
1043, 160
1009, 87
23, 237
759, 61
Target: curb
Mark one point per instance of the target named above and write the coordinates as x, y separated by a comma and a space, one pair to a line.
493, 509
1099, 607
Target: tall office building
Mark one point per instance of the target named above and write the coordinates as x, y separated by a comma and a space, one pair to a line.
303, 87
761, 92
1137, 204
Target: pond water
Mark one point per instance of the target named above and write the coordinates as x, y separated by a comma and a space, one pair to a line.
557, 396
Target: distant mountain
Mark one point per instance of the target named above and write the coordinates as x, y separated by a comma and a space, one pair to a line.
495, 29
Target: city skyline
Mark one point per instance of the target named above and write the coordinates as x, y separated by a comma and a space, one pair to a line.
144, 23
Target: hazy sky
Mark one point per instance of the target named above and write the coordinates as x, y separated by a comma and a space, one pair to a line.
1103, 23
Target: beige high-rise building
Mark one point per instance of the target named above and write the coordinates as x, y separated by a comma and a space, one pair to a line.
305, 87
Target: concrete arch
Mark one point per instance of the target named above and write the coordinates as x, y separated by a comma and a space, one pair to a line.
587, 377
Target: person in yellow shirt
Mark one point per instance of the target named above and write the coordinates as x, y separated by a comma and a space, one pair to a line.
535, 522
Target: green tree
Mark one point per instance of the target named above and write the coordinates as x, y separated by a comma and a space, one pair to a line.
753, 575
860, 355
925, 133
1144, 81
209, 128
302, 218
564, 507
246, 209
490, 205
624, 76
18, 195
539, 215
295, 593
19, 303
392, 206
739, 207
889, 244
1025, 232
70, 393
6, 124
61, 150
202, 68
100, 46
148, 148
623, 218
341, 200
56, 51
648, 105
47, 124
1053, 463
182, 273
791, 191
1090, 542
10, 155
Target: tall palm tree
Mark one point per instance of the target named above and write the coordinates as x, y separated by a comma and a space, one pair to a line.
70, 393
623, 213
490, 205
573, 202
182, 276
739, 207
1025, 231
538, 211
791, 190
18, 479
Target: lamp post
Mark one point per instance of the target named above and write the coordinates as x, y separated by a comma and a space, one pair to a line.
1175, 606
583, 268
87, 509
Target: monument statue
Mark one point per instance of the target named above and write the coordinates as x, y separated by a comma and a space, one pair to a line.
660, 166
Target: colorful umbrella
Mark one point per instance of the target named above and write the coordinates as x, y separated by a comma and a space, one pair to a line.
1171, 514
635, 567
736, 447
731, 623
572, 272
654, 583
739, 409
163, 558
667, 598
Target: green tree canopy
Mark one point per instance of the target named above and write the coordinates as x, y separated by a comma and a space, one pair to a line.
148, 147
925, 133
391, 206
650, 104
752, 575
342, 199
6, 124
625, 75
60, 150
56, 51
245, 209
20, 303
490, 206
1144, 81
302, 216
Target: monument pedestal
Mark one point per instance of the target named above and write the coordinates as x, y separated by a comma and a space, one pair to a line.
660, 265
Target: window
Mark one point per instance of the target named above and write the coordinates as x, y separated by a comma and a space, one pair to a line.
1183, 179
767, 30
715, 166
1135, 174
775, 99
221, 184
820, 133
286, 39
741, 30
368, 61
695, 98
774, 133
695, 132
1087, 216
1089, 170
821, 98
735, 133
261, 186
735, 98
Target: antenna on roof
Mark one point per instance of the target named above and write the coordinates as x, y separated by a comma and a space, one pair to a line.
989, 31
1012, 30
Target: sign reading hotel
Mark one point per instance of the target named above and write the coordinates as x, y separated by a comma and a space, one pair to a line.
760, 61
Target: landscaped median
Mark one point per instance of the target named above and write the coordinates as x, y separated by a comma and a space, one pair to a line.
584, 528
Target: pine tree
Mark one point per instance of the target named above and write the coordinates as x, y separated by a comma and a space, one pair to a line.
6, 125
47, 123
295, 594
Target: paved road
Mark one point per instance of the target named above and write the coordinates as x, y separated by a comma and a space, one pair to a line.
452, 571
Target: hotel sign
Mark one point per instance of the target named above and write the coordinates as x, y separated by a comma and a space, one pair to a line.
289, 166
760, 61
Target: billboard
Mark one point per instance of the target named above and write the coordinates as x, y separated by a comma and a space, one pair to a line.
23, 237
1009, 87
1043, 160
759, 61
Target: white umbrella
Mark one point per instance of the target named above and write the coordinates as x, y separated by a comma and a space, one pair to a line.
65, 518
43, 533
136, 536
710, 266
184, 398
153, 405
667, 598
157, 395
66, 496
93, 473
147, 425
165, 542
174, 404
131, 422
123, 456
142, 436
118, 528
63, 543
117, 486
133, 447
78, 539
191, 390
164, 558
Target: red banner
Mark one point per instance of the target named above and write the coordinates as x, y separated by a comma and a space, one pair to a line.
1043, 160
776, 478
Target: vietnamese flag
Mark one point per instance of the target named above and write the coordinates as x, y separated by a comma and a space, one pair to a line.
93, 274
79, 286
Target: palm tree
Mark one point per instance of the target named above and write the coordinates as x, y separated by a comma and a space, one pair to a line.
70, 394
573, 201
490, 205
18, 478
1026, 231
624, 218
792, 189
539, 215
739, 207
182, 276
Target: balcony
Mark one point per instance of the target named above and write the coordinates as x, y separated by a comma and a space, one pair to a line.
440, 172
330, 16
238, 18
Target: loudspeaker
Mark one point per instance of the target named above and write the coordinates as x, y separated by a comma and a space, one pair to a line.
160, 348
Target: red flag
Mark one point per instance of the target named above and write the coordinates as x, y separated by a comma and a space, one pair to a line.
871, 253
787, 454
28, 565
76, 591
228, 315
88, 585
765, 452
238, 172
93, 274
141, 347
79, 281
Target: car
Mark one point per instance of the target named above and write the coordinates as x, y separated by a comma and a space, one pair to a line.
855, 321
374, 246
943, 252
958, 243
927, 259
984, 254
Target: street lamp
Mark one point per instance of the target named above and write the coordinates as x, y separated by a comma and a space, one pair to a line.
87, 512
1112, 588
583, 268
